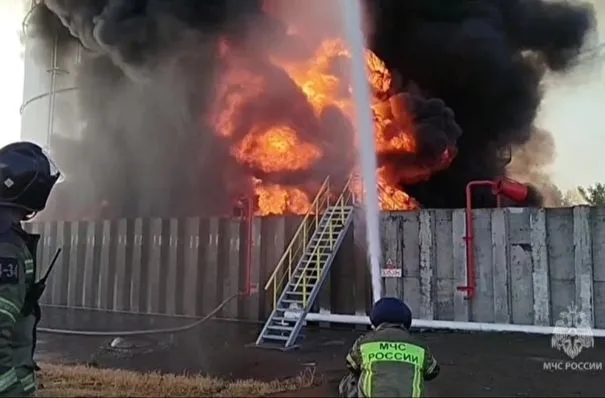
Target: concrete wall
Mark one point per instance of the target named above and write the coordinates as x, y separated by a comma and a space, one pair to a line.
531, 264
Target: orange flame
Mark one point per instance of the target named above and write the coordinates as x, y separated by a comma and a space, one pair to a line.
280, 148
275, 150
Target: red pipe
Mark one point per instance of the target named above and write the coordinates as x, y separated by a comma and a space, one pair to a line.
471, 282
513, 190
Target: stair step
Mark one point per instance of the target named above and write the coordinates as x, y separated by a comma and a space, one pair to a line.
285, 320
311, 271
309, 278
293, 293
283, 328
310, 264
282, 319
309, 256
315, 242
324, 229
310, 268
291, 301
275, 337
297, 287
298, 292
326, 232
310, 282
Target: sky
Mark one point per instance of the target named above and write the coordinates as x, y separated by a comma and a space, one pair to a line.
572, 108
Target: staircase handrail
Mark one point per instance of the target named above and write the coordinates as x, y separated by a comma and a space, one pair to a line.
383, 195
338, 207
304, 231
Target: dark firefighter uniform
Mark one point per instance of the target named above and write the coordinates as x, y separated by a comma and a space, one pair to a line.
388, 361
27, 177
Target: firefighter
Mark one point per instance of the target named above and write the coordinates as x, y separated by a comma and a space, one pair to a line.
388, 361
27, 177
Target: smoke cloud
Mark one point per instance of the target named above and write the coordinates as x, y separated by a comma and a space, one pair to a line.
530, 165
469, 71
485, 60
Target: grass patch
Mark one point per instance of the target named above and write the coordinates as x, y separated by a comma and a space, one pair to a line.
84, 381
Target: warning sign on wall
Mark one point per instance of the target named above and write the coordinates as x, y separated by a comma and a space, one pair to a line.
390, 270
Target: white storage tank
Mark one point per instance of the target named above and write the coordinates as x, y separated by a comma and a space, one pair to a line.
50, 114
49, 98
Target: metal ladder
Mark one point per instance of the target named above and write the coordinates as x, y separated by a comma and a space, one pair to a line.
304, 267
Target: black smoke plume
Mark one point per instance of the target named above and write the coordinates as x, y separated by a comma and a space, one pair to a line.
485, 59
150, 68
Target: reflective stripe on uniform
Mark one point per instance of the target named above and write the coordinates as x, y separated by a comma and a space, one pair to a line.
29, 266
9, 309
432, 367
8, 379
29, 383
352, 362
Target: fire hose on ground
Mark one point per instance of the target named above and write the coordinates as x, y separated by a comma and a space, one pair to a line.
142, 332
178, 329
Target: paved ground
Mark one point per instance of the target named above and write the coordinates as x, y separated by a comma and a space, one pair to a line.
473, 365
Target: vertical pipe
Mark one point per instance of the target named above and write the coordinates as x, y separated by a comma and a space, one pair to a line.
51, 99
469, 239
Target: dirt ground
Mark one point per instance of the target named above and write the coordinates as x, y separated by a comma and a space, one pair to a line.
473, 365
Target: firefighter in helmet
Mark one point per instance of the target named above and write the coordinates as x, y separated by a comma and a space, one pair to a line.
388, 361
27, 177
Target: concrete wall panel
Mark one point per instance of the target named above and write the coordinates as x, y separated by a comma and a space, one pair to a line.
409, 257
500, 311
559, 242
461, 304
426, 265
531, 264
482, 307
362, 287
443, 265
597, 220
209, 266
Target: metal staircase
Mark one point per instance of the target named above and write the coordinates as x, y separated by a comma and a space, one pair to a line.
305, 264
